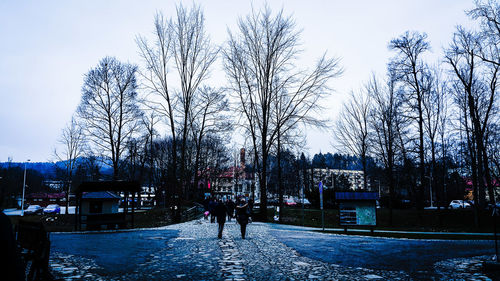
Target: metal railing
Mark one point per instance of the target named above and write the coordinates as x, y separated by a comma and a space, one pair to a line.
193, 213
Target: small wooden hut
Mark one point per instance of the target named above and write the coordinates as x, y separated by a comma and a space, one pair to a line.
97, 204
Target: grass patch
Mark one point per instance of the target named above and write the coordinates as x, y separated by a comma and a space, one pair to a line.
412, 235
461, 220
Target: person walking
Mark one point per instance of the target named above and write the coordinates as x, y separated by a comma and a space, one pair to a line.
242, 213
211, 208
220, 212
230, 209
205, 205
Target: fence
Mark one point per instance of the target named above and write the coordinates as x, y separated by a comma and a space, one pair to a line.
193, 213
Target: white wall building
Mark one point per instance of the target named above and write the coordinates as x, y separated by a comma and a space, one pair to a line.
328, 176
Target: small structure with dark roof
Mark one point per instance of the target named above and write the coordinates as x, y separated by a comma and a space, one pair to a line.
357, 208
98, 202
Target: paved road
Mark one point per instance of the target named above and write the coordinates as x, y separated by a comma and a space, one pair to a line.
191, 251
417, 257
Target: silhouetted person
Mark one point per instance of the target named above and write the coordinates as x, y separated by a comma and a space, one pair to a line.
242, 213
230, 209
211, 208
220, 212
11, 267
250, 209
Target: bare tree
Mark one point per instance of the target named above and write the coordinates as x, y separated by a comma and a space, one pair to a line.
295, 110
445, 135
150, 122
494, 152
108, 108
182, 44
352, 129
136, 157
72, 139
476, 93
208, 116
385, 116
260, 63
488, 14
193, 54
412, 72
433, 104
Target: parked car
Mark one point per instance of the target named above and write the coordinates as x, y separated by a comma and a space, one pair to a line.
459, 204
490, 207
272, 202
34, 210
52, 209
307, 204
290, 202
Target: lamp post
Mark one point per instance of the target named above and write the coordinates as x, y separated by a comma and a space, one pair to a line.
430, 188
379, 191
302, 204
24, 188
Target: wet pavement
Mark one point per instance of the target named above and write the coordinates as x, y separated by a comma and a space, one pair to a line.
191, 251
415, 256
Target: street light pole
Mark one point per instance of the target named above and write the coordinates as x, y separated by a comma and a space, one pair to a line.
24, 187
302, 204
379, 191
430, 187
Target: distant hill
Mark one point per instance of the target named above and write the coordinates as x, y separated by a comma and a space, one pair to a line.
45, 168
48, 169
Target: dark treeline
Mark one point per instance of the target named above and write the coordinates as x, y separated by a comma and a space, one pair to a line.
11, 183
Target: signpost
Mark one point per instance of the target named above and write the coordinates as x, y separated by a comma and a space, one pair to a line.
302, 205
321, 205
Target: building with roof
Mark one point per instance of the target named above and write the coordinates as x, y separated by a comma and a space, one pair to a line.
329, 177
236, 181
99, 202
46, 198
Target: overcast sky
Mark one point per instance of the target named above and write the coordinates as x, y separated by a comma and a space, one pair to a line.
47, 47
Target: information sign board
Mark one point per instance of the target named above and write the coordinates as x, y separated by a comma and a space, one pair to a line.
357, 213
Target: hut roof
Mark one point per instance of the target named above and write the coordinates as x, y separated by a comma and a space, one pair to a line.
356, 195
106, 195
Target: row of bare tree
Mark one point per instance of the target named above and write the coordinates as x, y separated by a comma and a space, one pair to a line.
429, 115
124, 108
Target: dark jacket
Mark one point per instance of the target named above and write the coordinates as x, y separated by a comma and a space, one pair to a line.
11, 267
220, 212
211, 206
230, 207
242, 213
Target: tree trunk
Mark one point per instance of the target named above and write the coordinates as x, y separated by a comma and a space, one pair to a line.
280, 183
390, 166
420, 198
263, 187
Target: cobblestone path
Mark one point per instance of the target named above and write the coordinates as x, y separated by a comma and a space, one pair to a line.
191, 251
